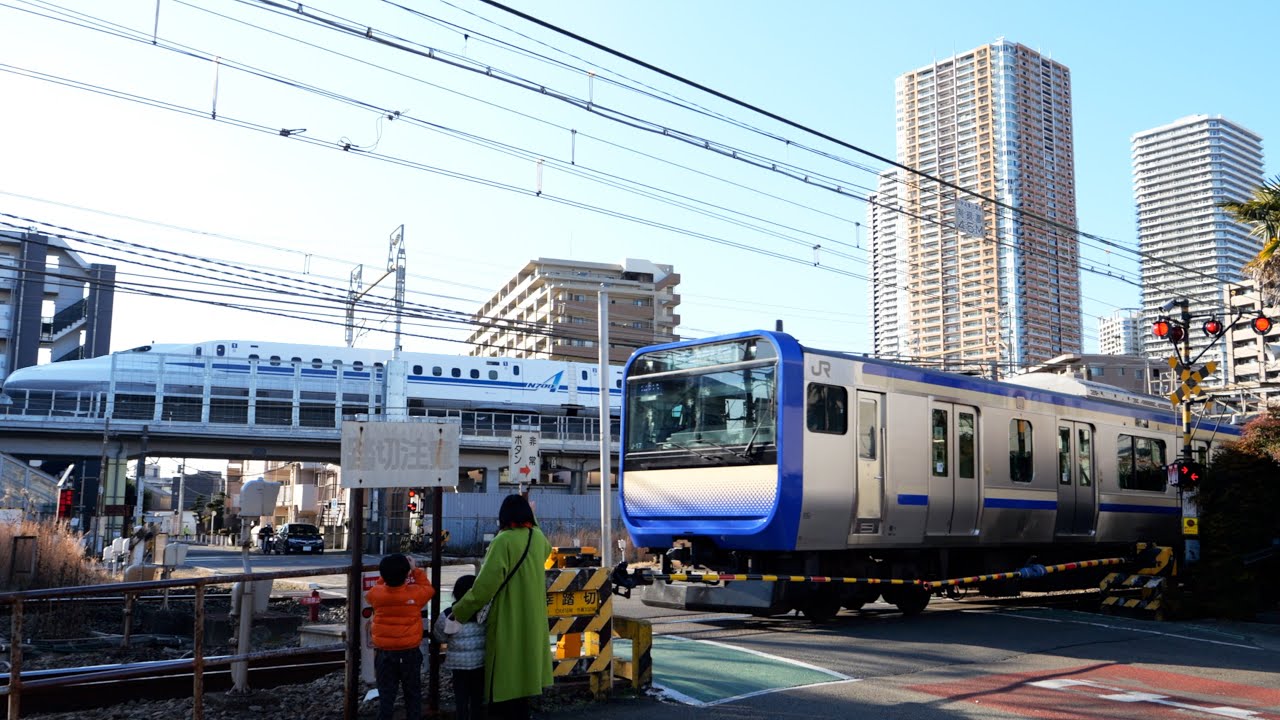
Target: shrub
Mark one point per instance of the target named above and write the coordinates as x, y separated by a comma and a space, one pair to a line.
59, 555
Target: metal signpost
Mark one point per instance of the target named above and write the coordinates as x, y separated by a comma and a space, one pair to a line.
410, 454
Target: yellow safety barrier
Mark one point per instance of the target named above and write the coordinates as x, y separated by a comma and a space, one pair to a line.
639, 669
580, 616
1146, 592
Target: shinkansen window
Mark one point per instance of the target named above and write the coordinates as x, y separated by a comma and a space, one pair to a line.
417, 369
1140, 463
317, 363
515, 369
437, 371
827, 409
222, 350
358, 366
275, 359
455, 372
493, 374
474, 373
1021, 467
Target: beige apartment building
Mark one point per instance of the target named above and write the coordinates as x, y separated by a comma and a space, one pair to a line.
551, 309
1005, 291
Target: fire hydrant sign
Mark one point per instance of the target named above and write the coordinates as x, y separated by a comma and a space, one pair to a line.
525, 456
414, 454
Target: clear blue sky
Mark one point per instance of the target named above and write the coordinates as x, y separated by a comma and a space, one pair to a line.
296, 208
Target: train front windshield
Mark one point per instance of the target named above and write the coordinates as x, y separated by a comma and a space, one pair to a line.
702, 405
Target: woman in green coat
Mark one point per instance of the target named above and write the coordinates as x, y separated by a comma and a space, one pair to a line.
513, 582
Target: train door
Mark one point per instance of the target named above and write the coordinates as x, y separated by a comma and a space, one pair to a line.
870, 459
953, 470
1077, 489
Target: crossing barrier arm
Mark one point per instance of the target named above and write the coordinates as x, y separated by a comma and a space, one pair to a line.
624, 581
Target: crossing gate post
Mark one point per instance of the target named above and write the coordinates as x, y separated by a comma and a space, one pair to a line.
580, 603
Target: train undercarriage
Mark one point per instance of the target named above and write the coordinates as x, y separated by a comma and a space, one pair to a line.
823, 600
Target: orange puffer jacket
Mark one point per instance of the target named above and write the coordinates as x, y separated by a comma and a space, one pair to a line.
397, 611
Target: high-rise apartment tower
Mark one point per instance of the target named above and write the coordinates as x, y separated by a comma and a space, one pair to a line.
996, 122
1121, 333
1191, 247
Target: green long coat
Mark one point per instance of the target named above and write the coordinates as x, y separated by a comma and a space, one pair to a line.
517, 651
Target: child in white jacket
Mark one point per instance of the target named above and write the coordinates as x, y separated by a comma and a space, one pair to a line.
465, 654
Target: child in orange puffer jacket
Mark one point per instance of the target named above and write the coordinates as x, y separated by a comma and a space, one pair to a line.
397, 633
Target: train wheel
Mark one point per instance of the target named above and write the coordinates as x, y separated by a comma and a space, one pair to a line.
823, 605
908, 600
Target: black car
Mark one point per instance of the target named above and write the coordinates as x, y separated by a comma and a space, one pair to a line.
299, 537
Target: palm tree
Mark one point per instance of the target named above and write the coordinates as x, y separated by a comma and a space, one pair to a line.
1262, 211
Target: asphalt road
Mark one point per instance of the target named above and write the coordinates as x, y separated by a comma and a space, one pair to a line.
965, 660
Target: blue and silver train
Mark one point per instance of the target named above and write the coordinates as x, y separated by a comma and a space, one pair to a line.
750, 453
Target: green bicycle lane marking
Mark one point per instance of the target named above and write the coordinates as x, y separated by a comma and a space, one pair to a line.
704, 672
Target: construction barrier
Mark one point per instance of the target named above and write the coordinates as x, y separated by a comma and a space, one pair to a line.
1145, 593
580, 617
639, 669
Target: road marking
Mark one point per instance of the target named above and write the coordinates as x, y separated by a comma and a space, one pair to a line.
706, 673
1022, 615
1113, 691
1127, 696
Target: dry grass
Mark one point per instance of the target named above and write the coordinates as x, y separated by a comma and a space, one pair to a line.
59, 557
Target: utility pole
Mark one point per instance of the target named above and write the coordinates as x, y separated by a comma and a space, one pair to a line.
606, 490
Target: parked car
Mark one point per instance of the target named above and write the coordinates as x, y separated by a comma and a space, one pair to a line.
299, 537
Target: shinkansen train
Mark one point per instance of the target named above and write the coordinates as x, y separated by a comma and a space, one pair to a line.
750, 453
438, 381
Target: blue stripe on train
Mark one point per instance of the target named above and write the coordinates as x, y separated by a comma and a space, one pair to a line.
1019, 504
913, 499
1149, 509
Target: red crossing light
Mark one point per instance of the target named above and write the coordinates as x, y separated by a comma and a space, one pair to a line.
1213, 327
1261, 324
1161, 328
1176, 333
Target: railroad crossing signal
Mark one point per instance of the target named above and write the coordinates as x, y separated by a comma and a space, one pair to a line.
1191, 379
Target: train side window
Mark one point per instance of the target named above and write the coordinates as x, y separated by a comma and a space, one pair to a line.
1140, 463
474, 373
222, 350
617, 384
317, 363
967, 445
295, 360
437, 371
253, 356
938, 443
455, 372
275, 359
199, 351
868, 416
515, 370
417, 369
1084, 456
827, 409
1064, 455
493, 374
357, 366
1021, 467
584, 374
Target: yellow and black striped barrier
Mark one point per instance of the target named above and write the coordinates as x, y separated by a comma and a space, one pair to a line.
580, 616
1145, 593
1028, 572
638, 669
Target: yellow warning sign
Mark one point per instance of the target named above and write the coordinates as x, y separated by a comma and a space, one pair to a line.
1190, 526
573, 603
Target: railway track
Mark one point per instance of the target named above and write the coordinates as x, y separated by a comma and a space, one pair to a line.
158, 680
